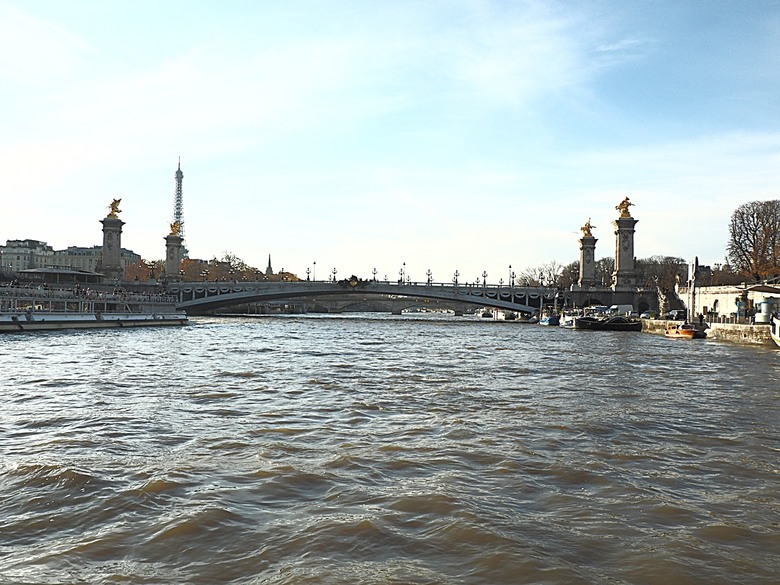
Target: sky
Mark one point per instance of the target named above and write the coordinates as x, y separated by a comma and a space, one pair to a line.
447, 135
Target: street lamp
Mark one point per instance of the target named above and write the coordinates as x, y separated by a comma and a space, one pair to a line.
430, 276
308, 271
314, 272
374, 273
484, 278
455, 277
334, 275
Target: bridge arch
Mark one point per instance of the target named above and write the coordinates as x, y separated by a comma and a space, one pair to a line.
202, 297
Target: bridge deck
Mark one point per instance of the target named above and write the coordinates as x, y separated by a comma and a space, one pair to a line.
205, 296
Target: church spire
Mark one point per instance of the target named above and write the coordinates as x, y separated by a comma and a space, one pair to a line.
269, 271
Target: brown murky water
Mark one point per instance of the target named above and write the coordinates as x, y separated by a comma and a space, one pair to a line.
375, 450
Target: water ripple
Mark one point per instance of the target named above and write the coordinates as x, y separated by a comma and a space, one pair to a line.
381, 450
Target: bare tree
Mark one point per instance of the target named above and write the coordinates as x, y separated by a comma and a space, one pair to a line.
548, 274
661, 271
754, 239
570, 274
604, 269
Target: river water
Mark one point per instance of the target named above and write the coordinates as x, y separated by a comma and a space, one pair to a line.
376, 449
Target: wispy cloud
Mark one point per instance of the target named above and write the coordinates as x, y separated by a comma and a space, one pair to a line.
461, 122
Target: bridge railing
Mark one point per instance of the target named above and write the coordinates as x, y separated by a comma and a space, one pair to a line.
225, 293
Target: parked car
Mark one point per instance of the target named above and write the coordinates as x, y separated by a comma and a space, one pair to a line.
648, 315
675, 315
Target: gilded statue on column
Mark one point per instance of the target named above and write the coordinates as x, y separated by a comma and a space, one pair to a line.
114, 208
176, 228
623, 206
586, 233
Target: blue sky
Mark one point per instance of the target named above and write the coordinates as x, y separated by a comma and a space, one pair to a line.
448, 135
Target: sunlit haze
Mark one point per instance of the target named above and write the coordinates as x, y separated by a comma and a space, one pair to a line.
449, 135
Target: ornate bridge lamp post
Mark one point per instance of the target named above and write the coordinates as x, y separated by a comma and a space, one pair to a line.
500, 282
334, 275
374, 273
307, 273
455, 278
484, 278
402, 273
430, 276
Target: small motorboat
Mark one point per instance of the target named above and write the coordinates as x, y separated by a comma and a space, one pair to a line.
684, 331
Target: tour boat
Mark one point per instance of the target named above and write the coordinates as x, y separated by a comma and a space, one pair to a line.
774, 328
683, 331
41, 309
42, 321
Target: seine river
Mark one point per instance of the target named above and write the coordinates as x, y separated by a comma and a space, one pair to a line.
386, 450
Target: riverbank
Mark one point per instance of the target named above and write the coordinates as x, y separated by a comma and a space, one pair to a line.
733, 332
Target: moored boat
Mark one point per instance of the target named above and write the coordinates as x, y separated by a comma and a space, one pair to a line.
614, 323
684, 331
42, 321
568, 318
553, 320
41, 309
774, 328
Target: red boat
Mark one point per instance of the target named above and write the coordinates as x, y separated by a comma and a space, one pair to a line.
684, 331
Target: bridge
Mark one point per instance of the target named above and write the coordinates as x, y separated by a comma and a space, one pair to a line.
204, 297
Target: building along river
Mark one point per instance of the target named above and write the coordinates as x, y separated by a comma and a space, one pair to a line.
375, 449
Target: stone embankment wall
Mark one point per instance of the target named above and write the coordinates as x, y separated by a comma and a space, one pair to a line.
753, 334
736, 333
